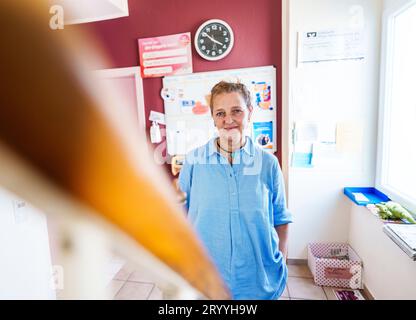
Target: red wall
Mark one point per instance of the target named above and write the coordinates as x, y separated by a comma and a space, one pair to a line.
256, 25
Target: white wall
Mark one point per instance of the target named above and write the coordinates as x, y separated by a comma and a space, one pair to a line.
335, 92
389, 273
25, 262
394, 3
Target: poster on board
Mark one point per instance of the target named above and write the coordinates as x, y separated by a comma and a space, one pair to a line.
167, 55
263, 134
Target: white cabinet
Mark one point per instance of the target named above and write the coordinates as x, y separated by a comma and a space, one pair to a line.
26, 270
83, 11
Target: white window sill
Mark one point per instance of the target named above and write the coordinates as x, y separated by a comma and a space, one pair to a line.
389, 273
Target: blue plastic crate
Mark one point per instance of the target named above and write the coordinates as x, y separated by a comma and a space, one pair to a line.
372, 194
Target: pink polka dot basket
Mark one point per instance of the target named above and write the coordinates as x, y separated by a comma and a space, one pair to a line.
335, 265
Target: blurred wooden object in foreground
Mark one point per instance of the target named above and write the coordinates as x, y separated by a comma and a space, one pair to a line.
62, 149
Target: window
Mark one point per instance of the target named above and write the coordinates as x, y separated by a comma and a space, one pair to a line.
396, 173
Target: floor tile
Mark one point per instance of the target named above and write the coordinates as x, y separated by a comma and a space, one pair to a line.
134, 291
286, 293
114, 287
142, 276
124, 273
303, 288
156, 294
299, 271
330, 293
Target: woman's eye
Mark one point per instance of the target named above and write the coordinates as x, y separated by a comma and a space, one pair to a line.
220, 114
237, 112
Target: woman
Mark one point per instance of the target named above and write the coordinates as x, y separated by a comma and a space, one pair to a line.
236, 200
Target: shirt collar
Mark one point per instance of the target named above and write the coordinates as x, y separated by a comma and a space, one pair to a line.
211, 147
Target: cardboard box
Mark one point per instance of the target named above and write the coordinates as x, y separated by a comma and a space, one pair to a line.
335, 265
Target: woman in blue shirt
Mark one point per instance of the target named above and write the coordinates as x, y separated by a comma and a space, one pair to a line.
236, 200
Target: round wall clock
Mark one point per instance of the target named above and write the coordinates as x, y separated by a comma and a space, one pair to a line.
214, 40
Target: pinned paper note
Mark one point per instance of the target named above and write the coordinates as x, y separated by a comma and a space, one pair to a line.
331, 45
306, 131
349, 137
324, 154
327, 132
157, 117
302, 160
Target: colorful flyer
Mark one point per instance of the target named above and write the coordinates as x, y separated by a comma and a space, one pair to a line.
263, 134
262, 95
167, 55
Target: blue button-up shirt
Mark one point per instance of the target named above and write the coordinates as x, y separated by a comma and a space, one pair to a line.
234, 209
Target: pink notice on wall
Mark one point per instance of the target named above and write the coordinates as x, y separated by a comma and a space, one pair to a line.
167, 55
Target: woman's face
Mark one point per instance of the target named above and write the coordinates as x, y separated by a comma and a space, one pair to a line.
231, 116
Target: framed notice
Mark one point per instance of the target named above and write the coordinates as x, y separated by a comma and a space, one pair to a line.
331, 45
167, 55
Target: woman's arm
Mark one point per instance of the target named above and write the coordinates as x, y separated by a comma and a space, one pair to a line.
282, 232
282, 217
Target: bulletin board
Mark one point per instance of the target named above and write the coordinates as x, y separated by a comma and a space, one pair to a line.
188, 118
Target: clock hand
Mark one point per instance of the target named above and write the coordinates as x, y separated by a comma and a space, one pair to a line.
216, 41
212, 39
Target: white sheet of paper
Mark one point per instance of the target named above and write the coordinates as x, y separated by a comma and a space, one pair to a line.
306, 131
349, 137
331, 45
158, 117
360, 197
328, 132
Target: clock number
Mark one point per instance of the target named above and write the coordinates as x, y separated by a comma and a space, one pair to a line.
214, 27
203, 47
204, 34
201, 41
208, 51
214, 53
224, 47
208, 30
226, 39
224, 33
220, 51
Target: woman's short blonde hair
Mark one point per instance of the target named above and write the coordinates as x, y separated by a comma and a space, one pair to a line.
228, 87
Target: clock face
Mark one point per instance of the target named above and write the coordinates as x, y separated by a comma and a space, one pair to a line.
214, 39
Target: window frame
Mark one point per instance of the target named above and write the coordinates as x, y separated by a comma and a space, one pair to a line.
386, 78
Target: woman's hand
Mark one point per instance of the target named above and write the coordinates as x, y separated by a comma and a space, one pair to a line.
181, 196
283, 233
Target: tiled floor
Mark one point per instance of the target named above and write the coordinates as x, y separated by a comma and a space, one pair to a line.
131, 284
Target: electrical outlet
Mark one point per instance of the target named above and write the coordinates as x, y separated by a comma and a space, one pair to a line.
20, 212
